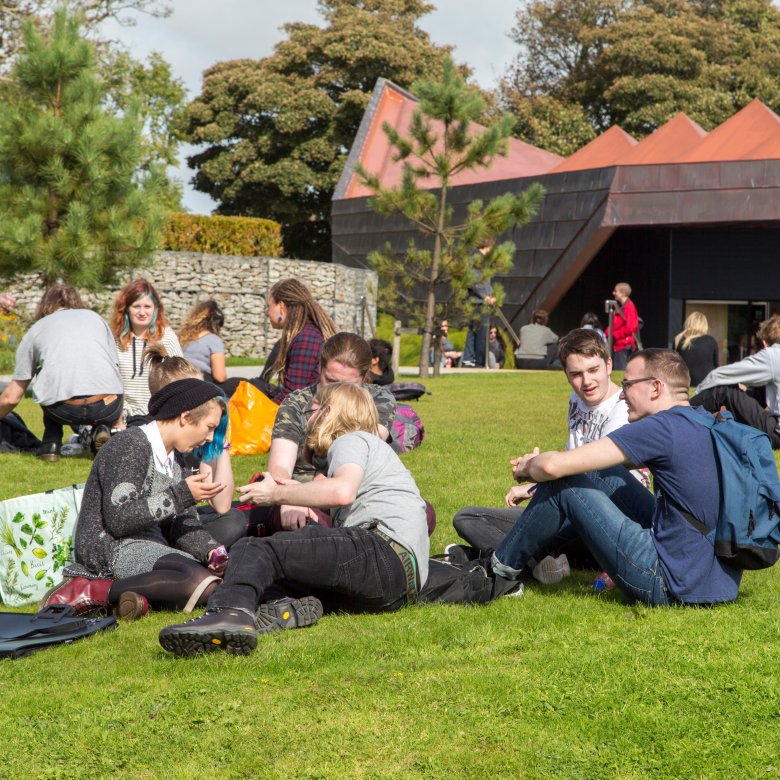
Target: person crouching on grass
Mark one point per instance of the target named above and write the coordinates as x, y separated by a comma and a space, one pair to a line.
374, 559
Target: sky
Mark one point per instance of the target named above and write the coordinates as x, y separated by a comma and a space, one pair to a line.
200, 33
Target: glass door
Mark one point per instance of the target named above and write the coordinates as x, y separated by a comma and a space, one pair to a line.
732, 324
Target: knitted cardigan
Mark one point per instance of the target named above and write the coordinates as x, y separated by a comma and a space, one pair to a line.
125, 497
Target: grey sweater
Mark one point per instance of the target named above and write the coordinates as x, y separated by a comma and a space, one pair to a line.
127, 498
763, 368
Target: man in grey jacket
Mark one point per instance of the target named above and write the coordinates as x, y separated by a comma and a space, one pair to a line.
724, 386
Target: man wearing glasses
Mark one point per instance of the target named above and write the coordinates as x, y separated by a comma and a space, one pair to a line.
643, 541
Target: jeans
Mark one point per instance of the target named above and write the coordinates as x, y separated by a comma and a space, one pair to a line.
610, 511
484, 527
61, 413
620, 359
357, 568
476, 341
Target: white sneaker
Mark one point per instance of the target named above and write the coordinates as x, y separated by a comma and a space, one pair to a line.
551, 570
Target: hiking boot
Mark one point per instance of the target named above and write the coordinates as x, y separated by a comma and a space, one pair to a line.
460, 554
231, 630
551, 570
100, 435
83, 594
287, 613
131, 606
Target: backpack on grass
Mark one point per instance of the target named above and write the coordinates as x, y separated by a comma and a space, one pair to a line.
747, 533
22, 633
406, 430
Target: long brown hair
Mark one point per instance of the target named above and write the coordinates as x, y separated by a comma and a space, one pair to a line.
120, 319
205, 315
58, 296
301, 308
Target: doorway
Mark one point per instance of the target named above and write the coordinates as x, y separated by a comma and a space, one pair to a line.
732, 324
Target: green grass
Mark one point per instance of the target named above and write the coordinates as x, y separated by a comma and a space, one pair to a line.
561, 683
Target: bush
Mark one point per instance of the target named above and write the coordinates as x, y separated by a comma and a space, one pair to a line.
243, 236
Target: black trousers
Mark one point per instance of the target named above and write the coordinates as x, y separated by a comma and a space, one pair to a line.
744, 408
353, 568
61, 413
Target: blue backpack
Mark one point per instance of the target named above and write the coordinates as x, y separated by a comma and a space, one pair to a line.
747, 534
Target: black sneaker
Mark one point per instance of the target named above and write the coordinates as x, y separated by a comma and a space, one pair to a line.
231, 630
460, 554
286, 613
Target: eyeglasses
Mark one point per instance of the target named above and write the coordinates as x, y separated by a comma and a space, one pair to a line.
626, 383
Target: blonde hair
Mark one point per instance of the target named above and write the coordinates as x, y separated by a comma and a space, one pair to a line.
205, 315
164, 368
624, 287
695, 325
344, 408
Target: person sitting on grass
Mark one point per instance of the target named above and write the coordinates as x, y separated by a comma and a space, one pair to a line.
70, 357
374, 559
138, 539
645, 543
595, 410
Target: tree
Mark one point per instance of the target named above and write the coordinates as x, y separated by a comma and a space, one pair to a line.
277, 131
72, 204
638, 62
14, 13
440, 145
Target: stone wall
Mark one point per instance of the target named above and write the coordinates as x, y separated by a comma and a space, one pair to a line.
240, 285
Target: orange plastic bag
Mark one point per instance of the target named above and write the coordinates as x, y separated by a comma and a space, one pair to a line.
251, 417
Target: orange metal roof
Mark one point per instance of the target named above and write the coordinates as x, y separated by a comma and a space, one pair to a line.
751, 134
601, 152
667, 144
395, 106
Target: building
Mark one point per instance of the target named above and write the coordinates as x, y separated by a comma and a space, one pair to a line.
690, 219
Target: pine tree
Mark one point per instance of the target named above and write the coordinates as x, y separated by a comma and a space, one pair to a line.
73, 204
432, 155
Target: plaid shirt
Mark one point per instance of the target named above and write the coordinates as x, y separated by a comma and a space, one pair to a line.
302, 366
294, 413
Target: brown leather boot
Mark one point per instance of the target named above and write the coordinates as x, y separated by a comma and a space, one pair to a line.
83, 594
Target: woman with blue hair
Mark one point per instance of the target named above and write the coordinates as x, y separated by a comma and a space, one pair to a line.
137, 321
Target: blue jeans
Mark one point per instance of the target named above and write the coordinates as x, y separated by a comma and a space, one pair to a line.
610, 511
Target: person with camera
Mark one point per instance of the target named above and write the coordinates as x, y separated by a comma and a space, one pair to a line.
623, 330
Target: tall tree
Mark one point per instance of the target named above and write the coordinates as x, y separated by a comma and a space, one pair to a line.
638, 62
14, 13
72, 204
277, 131
441, 144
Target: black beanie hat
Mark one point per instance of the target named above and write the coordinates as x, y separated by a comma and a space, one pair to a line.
183, 395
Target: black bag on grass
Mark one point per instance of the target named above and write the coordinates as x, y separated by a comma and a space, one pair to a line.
22, 633
407, 391
15, 436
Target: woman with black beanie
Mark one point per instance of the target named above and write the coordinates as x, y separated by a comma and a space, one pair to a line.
138, 538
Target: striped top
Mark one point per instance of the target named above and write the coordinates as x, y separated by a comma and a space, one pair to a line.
135, 375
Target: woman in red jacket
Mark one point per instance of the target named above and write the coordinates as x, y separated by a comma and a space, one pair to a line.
625, 326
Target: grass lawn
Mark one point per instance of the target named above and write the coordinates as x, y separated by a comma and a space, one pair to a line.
560, 683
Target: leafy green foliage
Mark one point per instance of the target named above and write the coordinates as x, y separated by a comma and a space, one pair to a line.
276, 132
244, 236
638, 62
72, 203
440, 145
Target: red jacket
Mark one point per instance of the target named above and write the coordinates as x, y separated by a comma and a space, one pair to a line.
624, 327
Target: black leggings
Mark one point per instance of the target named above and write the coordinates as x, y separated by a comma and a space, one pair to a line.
169, 585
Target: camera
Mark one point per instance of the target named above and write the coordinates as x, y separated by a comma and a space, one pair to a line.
609, 306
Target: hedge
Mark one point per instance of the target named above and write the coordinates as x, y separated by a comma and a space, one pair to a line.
243, 236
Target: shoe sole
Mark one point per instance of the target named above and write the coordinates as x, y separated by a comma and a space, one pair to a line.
297, 613
101, 439
50, 457
457, 554
189, 643
130, 607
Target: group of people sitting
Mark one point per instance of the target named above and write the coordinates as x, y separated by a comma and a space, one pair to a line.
345, 524
110, 390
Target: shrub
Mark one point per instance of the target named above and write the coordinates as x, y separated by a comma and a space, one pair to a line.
243, 236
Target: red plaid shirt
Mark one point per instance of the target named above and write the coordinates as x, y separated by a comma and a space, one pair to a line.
302, 366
